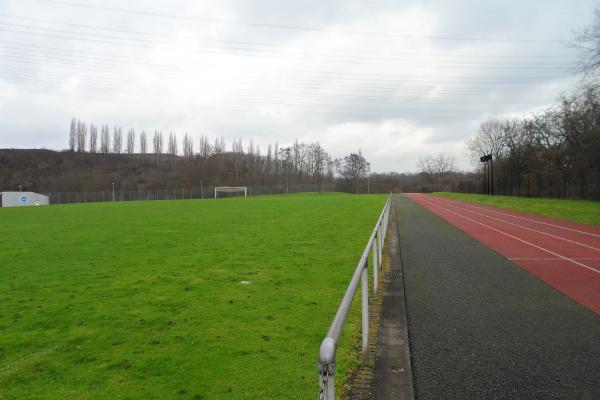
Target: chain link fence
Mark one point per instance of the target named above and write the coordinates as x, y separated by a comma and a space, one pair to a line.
195, 192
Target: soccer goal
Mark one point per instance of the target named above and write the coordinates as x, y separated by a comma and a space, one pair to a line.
231, 189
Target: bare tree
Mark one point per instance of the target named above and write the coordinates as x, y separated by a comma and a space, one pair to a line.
330, 168
353, 167
237, 146
72, 134
188, 146
269, 161
172, 149
439, 165
105, 140
143, 144
157, 143
204, 146
219, 146
81, 136
318, 161
117, 140
588, 42
488, 140
130, 142
93, 138
287, 163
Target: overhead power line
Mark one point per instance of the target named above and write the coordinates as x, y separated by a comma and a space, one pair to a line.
146, 43
276, 76
260, 46
295, 27
401, 98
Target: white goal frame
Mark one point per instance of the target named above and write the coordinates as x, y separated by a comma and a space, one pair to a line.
231, 189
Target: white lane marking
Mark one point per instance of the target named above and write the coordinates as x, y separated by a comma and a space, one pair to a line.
549, 259
529, 219
524, 227
519, 239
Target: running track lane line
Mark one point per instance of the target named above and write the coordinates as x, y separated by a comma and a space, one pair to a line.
523, 227
527, 219
549, 259
516, 238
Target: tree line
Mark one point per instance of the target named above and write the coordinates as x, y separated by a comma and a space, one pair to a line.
555, 152
98, 155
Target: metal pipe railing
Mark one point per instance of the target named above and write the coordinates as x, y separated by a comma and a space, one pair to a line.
326, 363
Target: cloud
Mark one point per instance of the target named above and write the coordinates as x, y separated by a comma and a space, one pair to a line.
399, 80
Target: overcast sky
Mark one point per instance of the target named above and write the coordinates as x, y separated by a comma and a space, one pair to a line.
398, 79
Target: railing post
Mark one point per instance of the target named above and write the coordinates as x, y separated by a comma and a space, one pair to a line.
381, 242
387, 215
386, 218
365, 309
326, 369
375, 265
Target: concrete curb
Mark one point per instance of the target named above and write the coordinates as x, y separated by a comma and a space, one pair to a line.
393, 378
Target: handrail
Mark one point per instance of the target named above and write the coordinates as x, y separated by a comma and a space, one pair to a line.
327, 351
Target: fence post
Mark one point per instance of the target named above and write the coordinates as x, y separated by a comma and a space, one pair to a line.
365, 308
379, 234
326, 368
375, 265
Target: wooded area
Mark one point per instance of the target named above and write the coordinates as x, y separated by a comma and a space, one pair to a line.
92, 164
555, 153
552, 153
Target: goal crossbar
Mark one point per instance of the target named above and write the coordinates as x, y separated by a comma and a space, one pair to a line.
231, 189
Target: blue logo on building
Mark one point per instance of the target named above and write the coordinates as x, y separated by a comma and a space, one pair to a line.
24, 199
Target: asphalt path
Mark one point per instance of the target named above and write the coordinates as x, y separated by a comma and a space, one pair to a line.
481, 327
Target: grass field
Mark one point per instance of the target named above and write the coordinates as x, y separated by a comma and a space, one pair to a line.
144, 300
587, 212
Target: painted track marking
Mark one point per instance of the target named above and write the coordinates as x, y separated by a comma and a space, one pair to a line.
524, 227
517, 238
549, 259
531, 220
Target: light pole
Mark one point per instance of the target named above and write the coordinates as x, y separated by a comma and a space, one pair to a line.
489, 173
113, 191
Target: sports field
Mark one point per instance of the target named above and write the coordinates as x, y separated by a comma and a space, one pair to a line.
209, 299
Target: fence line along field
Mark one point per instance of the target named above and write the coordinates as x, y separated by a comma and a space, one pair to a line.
192, 299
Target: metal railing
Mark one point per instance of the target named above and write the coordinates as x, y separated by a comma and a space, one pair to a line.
326, 363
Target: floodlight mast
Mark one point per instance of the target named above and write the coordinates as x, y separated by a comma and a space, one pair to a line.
488, 173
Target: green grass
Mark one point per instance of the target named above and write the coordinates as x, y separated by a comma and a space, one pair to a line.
587, 212
143, 300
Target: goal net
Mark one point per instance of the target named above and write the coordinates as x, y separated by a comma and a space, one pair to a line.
230, 190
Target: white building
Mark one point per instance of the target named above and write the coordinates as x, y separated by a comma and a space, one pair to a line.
23, 199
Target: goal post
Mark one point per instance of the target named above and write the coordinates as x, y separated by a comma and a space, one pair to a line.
230, 189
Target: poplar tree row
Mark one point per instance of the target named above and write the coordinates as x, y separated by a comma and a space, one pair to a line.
298, 162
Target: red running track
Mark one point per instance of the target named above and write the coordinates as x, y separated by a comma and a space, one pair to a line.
565, 255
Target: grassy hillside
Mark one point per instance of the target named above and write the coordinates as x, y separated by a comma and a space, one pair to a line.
587, 212
213, 299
